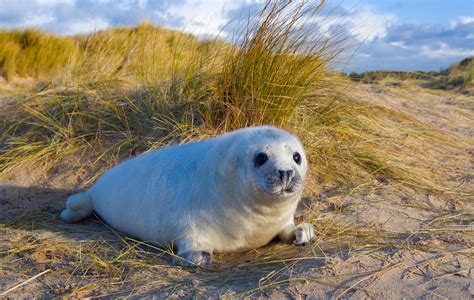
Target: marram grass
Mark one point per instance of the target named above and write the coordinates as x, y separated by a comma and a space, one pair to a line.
34, 53
125, 91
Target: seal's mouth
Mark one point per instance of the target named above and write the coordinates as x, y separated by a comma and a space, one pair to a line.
281, 193
276, 187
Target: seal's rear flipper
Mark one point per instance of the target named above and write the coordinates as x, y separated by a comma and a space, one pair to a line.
78, 207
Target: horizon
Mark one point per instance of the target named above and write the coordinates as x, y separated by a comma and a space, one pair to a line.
389, 35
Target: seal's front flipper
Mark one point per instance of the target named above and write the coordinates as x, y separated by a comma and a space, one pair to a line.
304, 232
78, 207
300, 235
194, 259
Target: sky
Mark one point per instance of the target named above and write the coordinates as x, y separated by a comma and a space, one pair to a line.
405, 35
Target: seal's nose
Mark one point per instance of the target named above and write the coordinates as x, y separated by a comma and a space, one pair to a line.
286, 176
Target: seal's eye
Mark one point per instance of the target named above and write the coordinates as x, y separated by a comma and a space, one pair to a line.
260, 159
297, 158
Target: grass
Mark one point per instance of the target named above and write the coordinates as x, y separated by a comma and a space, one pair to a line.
275, 66
121, 92
146, 87
459, 76
137, 95
145, 54
33, 53
107, 263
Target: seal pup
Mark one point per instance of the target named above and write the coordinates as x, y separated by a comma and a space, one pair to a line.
230, 193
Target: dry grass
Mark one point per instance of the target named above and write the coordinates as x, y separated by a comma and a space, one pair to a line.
92, 260
137, 94
277, 63
125, 91
33, 53
458, 77
144, 54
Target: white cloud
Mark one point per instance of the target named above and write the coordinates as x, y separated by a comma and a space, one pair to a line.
369, 25
142, 3
38, 20
202, 17
465, 20
445, 51
461, 20
400, 44
53, 2
86, 26
362, 22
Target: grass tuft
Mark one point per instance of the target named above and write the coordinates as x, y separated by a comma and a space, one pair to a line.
277, 63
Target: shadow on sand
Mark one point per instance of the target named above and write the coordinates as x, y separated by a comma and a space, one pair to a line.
36, 210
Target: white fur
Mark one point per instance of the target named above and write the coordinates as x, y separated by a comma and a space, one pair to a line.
206, 196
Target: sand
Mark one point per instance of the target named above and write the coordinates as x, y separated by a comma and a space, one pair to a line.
380, 240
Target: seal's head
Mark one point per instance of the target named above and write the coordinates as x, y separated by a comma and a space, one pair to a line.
275, 163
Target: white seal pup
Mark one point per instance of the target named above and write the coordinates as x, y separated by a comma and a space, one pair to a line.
230, 193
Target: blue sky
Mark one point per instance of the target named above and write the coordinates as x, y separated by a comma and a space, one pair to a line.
392, 34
